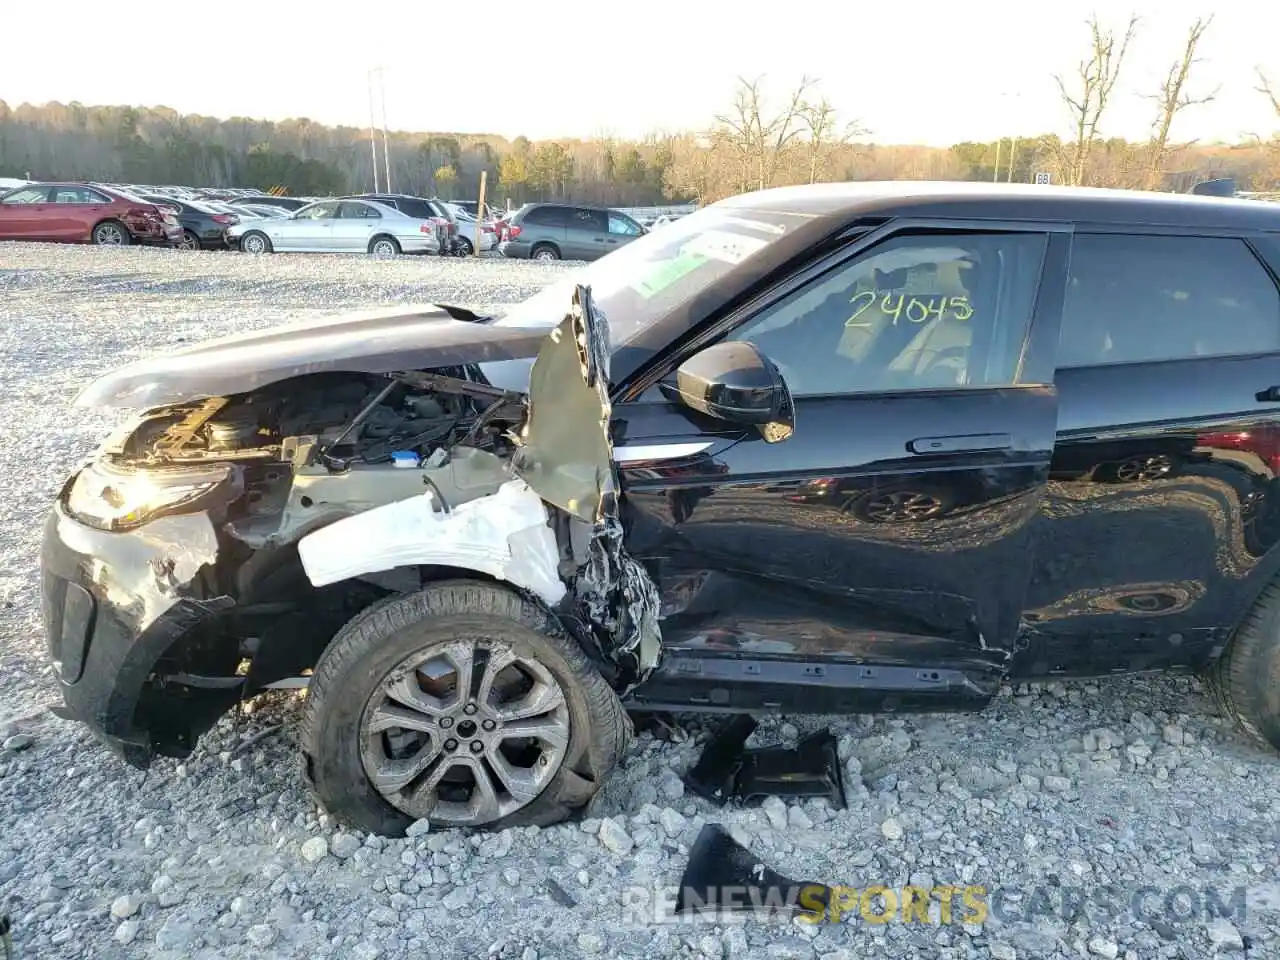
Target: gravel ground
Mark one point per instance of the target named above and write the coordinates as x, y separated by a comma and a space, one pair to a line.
1062, 800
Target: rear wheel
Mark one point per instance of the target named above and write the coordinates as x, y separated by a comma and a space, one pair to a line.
1246, 678
111, 233
544, 251
908, 504
465, 704
255, 242
384, 247
465, 248
189, 241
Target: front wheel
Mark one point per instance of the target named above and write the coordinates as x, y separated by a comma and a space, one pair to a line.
1244, 677
110, 233
465, 704
255, 242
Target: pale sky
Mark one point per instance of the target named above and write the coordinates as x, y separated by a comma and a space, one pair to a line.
928, 71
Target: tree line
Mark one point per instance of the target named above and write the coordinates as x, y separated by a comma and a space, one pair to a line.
758, 141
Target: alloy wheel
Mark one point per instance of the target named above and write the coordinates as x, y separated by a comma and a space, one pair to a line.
465, 734
902, 506
253, 244
109, 235
1145, 468
384, 248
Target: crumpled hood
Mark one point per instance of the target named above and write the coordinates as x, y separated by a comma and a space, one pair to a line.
382, 341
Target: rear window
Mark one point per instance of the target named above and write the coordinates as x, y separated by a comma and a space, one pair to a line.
546, 216
1138, 299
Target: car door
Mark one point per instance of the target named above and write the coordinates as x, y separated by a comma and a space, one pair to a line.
1161, 517
622, 230
355, 225
24, 214
585, 233
310, 230
75, 211
895, 525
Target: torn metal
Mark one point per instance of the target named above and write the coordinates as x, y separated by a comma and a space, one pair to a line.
728, 771
722, 877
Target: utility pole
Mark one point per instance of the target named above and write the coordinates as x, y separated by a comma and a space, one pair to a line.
386, 150
373, 144
995, 173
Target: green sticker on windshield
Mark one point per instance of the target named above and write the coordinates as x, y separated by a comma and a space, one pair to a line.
666, 273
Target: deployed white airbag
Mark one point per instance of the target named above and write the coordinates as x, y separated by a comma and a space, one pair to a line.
504, 535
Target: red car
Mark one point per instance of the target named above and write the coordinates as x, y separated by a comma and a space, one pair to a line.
84, 213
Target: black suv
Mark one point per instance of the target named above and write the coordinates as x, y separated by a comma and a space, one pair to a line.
562, 231
843, 447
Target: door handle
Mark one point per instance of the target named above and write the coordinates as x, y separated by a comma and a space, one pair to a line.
961, 444
599, 239
1269, 395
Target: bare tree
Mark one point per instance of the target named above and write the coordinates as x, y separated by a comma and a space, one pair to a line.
1172, 99
760, 141
1089, 93
1266, 90
825, 134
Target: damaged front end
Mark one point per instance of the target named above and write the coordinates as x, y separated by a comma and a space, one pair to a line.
215, 545
550, 522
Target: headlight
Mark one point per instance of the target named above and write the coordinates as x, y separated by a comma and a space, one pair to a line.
111, 498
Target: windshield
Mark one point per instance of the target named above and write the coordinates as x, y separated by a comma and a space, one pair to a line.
643, 281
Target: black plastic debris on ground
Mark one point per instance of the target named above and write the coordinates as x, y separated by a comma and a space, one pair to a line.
723, 877
727, 770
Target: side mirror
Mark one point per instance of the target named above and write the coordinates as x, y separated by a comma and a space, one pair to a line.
734, 381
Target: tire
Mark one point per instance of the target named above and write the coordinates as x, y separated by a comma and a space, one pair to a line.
465, 247
111, 233
189, 241
1246, 678
255, 241
908, 504
347, 694
545, 252
384, 246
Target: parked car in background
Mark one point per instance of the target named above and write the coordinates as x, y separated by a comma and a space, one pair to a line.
11, 183
423, 209
339, 226
284, 203
260, 210
562, 231
467, 232
84, 213
204, 226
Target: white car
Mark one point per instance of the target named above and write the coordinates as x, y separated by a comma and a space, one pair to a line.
467, 230
339, 226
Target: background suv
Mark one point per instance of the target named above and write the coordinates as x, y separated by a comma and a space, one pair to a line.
561, 231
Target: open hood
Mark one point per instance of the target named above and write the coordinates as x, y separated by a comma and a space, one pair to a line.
383, 341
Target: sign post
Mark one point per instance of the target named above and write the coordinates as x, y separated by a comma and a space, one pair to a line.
484, 175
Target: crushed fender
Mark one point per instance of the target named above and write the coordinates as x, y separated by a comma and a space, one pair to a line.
723, 877
566, 456
728, 771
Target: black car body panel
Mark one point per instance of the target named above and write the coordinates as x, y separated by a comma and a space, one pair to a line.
906, 547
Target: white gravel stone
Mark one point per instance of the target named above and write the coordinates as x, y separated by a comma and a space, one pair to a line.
1223, 933
673, 822
315, 849
418, 828
892, 829
1002, 951
776, 810
124, 907
19, 741
615, 838
343, 845
261, 935
127, 932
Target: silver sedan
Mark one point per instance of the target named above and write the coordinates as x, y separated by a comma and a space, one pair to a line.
339, 226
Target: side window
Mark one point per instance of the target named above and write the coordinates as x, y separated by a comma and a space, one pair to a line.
583, 218
915, 312
358, 211
319, 211
621, 225
1137, 299
546, 216
28, 195
77, 195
